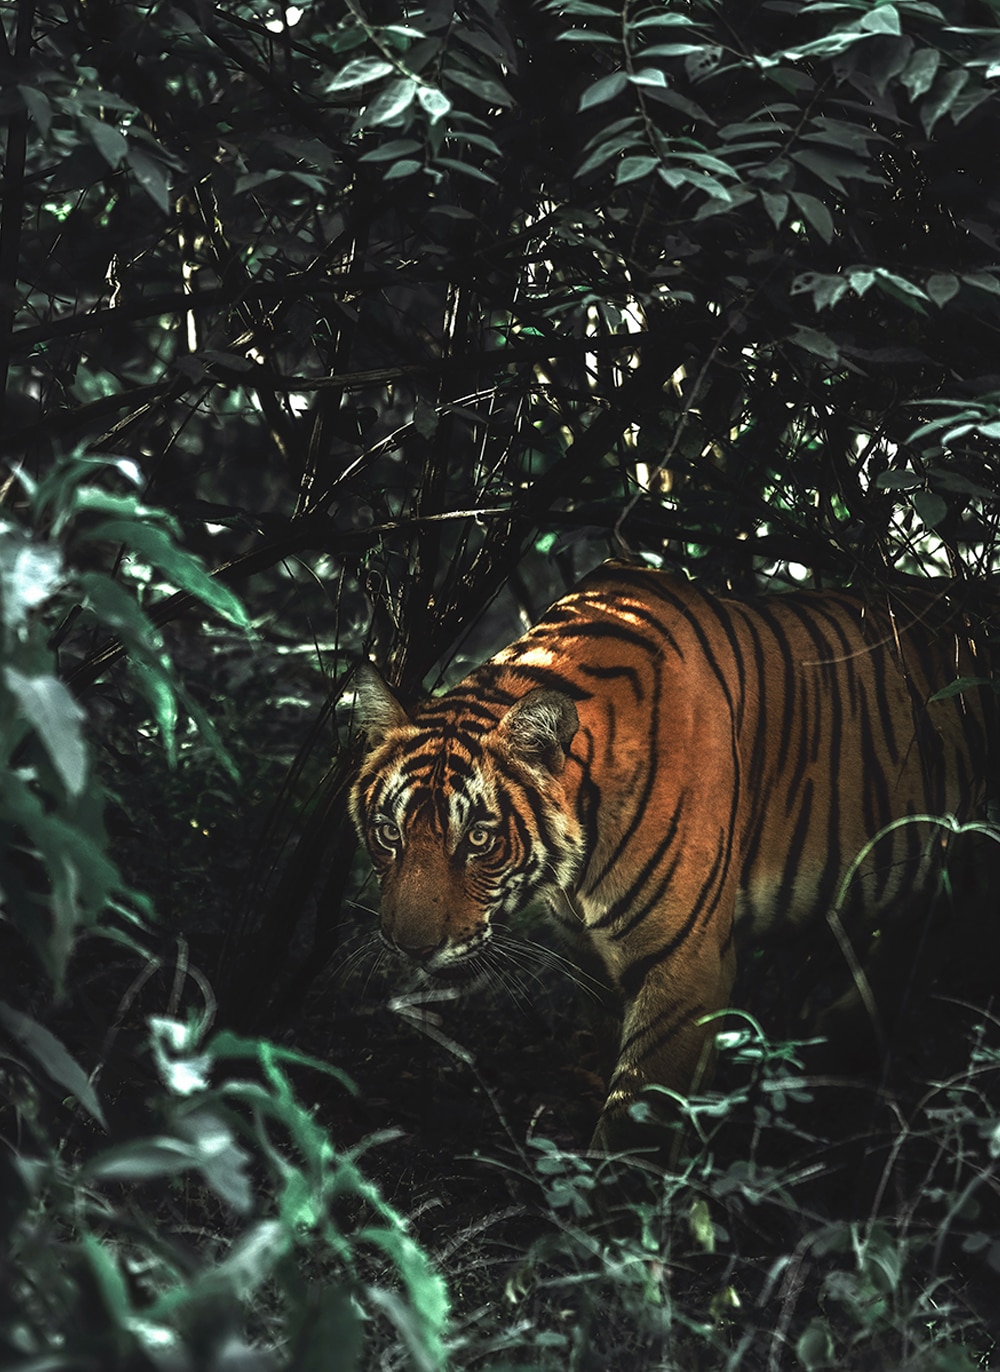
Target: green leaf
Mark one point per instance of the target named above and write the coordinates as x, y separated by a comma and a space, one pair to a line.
946, 91
648, 76
37, 104
815, 1348
465, 168
143, 1159
942, 288
881, 19
111, 144
817, 343
52, 1057
960, 686
109, 1280
151, 176
816, 214
391, 150
930, 507
406, 166
632, 168
157, 687
898, 481
920, 71
29, 574
983, 281
332, 1320
360, 72
397, 97
484, 86
776, 207
178, 565
627, 138
899, 285
604, 89
826, 288
55, 716
434, 102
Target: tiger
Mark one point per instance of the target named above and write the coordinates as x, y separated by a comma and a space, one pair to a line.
676, 774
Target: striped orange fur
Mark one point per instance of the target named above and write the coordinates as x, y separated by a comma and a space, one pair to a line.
675, 773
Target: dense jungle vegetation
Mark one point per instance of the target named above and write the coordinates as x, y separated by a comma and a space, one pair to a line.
364, 327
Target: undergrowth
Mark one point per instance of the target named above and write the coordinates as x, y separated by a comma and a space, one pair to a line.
176, 1196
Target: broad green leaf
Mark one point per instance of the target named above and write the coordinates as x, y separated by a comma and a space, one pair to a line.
881, 19
776, 207
955, 481
178, 565
898, 481
817, 343
36, 102
946, 91
942, 288
142, 1159
332, 1320
397, 97
816, 214
406, 166
983, 281
390, 151
108, 1279
930, 506
648, 76
360, 72
815, 1348
604, 89
861, 278
826, 288
55, 716
29, 574
434, 102
921, 71
111, 144
151, 176
483, 86
52, 1057
632, 168
608, 149
465, 168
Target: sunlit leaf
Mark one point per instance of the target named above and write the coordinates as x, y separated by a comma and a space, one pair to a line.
178, 565
605, 89
56, 717
359, 72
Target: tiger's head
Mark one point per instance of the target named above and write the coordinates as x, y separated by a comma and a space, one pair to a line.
466, 816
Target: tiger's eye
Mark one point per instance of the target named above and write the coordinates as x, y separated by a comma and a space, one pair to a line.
480, 837
388, 834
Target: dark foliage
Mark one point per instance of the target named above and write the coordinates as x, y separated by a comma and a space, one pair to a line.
399, 317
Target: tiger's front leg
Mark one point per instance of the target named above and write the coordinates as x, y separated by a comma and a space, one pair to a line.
663, 1041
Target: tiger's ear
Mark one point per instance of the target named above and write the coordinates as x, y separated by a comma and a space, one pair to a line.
377, 711
540, 727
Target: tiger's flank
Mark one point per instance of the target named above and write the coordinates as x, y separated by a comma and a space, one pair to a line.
675, 774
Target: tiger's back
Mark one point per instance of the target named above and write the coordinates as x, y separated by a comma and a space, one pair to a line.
668, 769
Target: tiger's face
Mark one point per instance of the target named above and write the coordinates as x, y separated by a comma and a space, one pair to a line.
465, 825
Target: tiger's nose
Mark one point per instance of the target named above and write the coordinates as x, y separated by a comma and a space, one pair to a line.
422, 952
